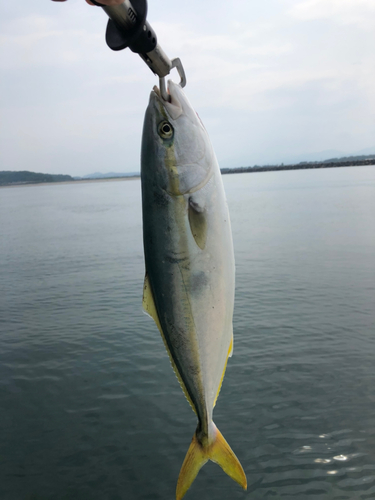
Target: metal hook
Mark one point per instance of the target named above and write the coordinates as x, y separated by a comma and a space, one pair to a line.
163, 89
176, 63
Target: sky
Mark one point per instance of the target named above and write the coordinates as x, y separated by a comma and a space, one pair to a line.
274, 81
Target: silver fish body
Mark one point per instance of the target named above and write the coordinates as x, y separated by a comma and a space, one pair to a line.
189, 285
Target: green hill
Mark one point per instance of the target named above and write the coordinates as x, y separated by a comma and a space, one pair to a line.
8, 178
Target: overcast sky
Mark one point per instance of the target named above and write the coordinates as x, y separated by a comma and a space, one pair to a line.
272, 80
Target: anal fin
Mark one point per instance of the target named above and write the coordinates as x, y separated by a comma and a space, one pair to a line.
230, 352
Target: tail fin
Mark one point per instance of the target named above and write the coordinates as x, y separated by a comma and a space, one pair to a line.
219, 451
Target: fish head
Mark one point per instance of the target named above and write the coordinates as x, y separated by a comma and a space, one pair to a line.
176, 150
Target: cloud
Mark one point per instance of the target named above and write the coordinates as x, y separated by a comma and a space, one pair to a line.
268, 79
341, 11
36, 41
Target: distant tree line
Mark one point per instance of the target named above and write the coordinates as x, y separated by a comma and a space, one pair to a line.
350, 161
8, 178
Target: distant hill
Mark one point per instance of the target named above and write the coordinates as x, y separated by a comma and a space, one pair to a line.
109, 175
310, 157
322, 156
351, 158
8, 178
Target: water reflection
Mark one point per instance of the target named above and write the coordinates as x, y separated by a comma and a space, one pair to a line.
341, 458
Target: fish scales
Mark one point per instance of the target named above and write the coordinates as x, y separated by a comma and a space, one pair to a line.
189, 285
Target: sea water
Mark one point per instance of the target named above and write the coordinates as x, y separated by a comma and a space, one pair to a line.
90, 408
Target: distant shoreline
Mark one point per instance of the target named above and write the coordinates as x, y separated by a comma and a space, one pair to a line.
224, 171
77, 181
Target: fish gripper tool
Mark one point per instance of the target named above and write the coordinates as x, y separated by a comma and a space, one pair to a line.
127, 27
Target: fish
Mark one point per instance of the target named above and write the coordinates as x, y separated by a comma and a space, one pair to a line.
190, 269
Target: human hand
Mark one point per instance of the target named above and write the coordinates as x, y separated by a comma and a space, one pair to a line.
104, 2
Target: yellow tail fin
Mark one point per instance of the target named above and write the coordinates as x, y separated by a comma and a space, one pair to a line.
219, 452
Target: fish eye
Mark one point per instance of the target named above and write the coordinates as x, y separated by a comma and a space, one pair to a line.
165, 130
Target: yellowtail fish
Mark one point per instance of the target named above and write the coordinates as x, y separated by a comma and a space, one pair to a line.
189, 284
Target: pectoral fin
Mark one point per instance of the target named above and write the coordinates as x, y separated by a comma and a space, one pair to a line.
198, 223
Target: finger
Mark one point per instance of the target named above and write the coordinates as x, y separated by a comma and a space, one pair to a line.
108, 2
104, 2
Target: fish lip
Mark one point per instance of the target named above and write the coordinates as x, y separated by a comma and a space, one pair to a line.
156, 96
174, 107
157, 100
155, 90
